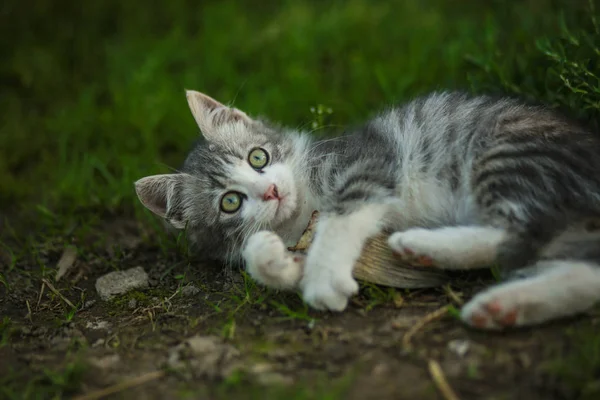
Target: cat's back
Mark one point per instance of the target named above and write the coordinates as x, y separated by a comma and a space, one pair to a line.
430, 131
442, 118
435, 140
458, 117
436, 135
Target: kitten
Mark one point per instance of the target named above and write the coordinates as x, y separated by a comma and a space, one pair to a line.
463, 182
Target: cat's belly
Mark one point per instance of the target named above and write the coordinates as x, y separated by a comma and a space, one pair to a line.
431, 204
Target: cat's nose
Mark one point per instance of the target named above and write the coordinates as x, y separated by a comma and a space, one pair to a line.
271, 193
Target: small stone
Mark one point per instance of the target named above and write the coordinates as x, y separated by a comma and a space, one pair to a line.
459, 347
189, 290
208, 356
87, 305
105, 362
203, 344
98, 325
132, 304
174, 357
120, 282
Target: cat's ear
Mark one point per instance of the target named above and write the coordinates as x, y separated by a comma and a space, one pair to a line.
161, 194
210, 115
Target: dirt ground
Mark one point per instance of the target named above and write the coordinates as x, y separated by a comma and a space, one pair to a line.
201, 332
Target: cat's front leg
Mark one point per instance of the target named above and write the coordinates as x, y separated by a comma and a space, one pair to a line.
270, 263
328, 283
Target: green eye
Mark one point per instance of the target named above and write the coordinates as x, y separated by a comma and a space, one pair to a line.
258, 158
231, 202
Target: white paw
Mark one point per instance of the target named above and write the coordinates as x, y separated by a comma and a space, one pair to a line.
415, 246
460, 247
268, 261
327, 288
505, 306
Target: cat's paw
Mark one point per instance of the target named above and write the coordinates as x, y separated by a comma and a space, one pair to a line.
502, 307
414, 246
268, 261
328, 289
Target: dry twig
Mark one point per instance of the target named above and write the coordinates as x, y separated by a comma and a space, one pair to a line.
453, 295
119, 387
37, 306
29, 314
56, 292
440, 381
440, 312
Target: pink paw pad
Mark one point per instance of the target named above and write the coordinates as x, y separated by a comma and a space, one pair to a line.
412, 258
493, 314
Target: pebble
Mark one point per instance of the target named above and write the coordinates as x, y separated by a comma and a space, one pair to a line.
132, 304
459, 347
189, 290
120, 282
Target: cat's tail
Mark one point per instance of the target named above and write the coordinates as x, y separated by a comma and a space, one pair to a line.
568, 236
581, 244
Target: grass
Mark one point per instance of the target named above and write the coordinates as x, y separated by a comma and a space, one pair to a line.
578, 368
86, 117
321, 388
240, 387
6, 330
53, 383
93, 99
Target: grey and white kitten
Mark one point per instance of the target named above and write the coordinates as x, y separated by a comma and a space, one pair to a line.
462, 182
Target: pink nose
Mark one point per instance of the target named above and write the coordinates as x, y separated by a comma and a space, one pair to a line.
271, 193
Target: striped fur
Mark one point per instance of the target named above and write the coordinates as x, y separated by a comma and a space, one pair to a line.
464, 181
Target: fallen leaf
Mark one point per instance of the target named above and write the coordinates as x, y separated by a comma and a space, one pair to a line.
66, 261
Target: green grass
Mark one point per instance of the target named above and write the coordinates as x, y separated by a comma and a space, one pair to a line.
85, 115
578, 368
55, 383
235, 304
6, 331
322, 387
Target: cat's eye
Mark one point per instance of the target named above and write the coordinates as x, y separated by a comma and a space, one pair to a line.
258, 158
231, 202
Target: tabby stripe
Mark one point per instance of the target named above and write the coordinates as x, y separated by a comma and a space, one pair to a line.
383, 181
216, 183
563, 186
555, 156
354, 195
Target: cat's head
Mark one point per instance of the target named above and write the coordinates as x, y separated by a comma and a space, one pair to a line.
241, 177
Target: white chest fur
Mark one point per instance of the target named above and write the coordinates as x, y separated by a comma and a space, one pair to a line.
427, 202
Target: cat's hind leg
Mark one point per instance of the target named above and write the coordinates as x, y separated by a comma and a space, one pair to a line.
270, 263
460, 247
562, 288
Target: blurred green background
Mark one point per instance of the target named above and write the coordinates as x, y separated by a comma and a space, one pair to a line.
93, 92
